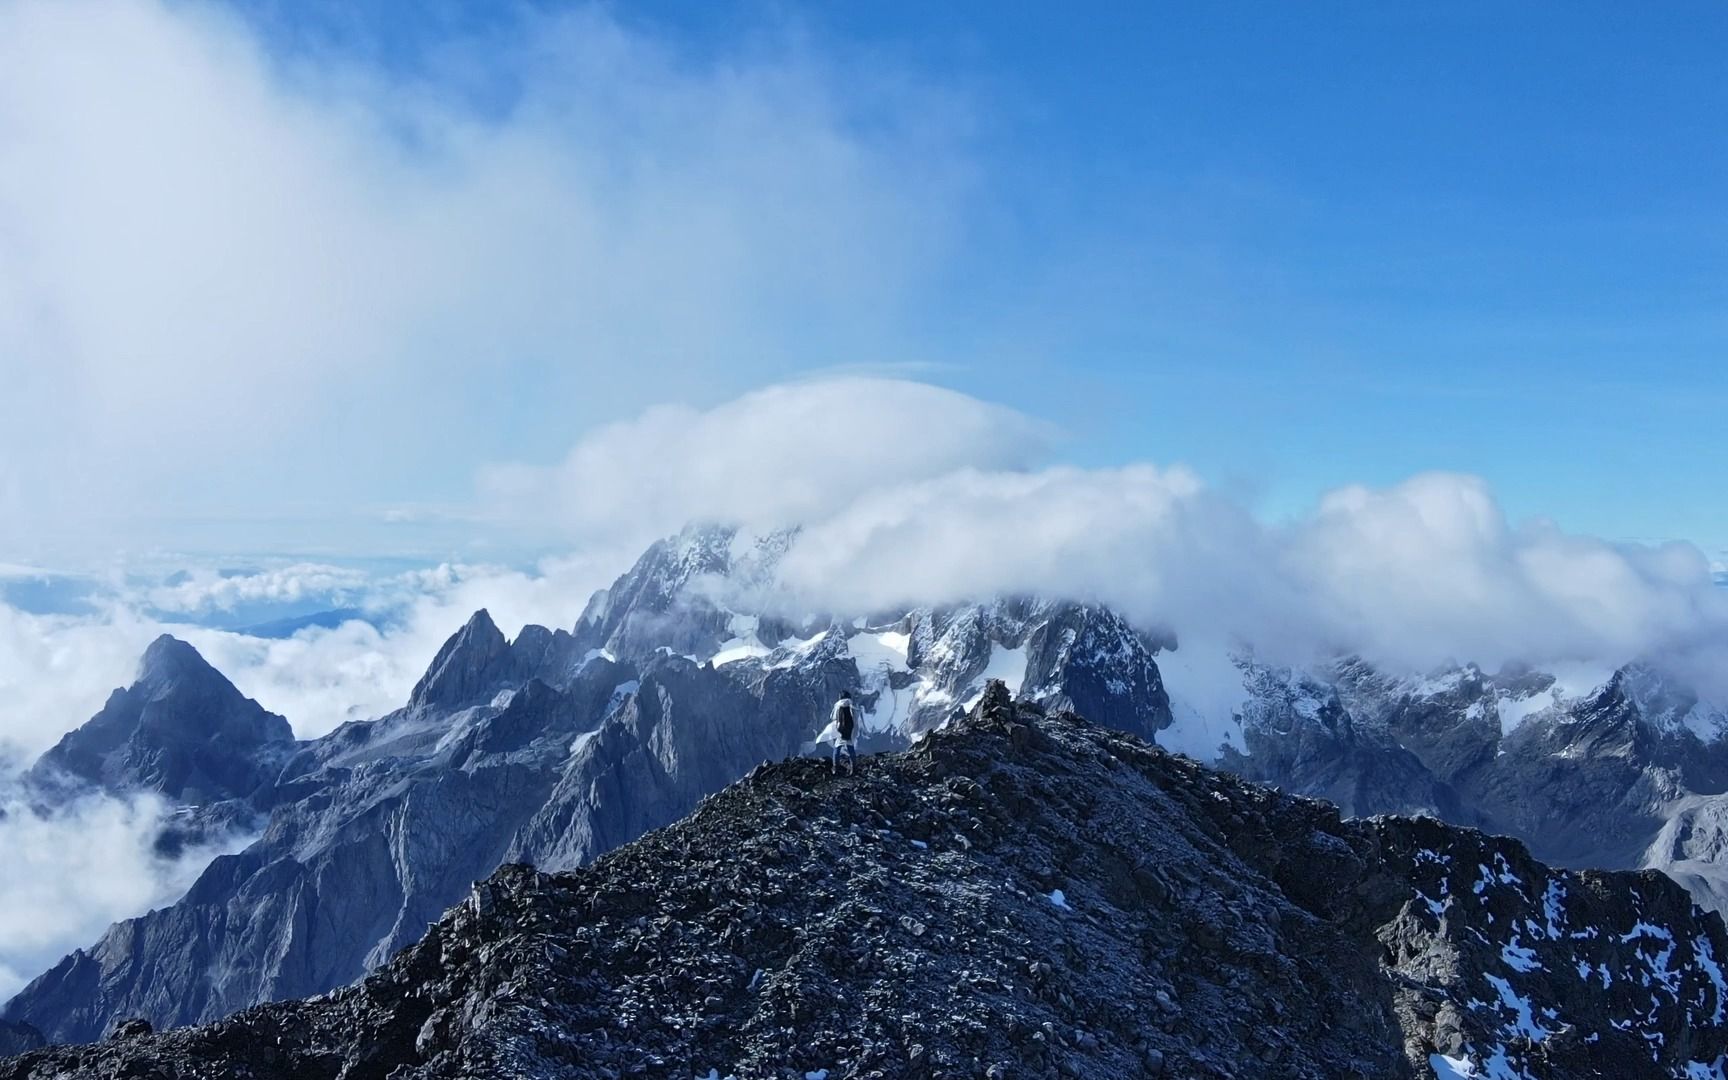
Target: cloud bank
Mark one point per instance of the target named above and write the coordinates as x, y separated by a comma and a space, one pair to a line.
907, 494
912, 494
800, 452
56, 670
239, 286
73, 873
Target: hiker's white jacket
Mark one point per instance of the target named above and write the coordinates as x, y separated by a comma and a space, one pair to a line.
831, 733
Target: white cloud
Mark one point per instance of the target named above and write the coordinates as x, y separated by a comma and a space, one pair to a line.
72, 873
797, 452
1431, 568
321, 677
912, 494
253, 288
205, 590
1424, 572
56, 670
908, 494
234, 284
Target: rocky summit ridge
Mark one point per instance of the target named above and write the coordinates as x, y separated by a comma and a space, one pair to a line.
1019, 894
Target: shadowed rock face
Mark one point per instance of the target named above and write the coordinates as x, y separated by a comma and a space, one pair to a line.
1299, 733
18, 1038
379, 827
374, 832
181, 730
1020, 892
474, 664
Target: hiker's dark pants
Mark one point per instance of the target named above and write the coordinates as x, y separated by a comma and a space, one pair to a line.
844, 746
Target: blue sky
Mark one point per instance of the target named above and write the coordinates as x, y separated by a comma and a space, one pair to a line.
1291, 251
1298, 250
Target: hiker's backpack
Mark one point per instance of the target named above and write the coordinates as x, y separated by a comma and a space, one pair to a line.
843, 720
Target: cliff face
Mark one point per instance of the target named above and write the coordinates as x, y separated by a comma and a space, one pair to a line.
1019, 894
1587, 776
181, 730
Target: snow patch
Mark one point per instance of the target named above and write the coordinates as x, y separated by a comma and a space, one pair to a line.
621, 692
1554, 910
793, 650
1706, 956
1524, 1016
738, 648
884, 651
879, 657
1441, 682
1519, 957
1452, 1068
1515, 710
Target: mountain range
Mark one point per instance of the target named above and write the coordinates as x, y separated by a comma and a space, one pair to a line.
558, 746
1020, 894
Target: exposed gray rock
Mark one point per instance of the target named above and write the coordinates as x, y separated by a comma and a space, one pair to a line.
381, 825
475, 664
1299, 734
181, 730
1090, 660
1692, 848
367, 845
1068, 655
1585, 781
670, 600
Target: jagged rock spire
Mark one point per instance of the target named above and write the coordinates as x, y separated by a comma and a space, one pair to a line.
473, 664
182, 729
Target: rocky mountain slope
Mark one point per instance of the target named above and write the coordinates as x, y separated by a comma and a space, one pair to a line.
182, 730
551, 749
1587, 777
561, 744
1019, 894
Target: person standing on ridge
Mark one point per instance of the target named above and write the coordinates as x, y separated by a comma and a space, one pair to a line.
844, 720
